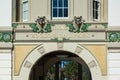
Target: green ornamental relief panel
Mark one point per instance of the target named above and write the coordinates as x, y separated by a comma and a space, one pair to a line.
60, 40
114, 36
41, 25
84, 28
105, 25
38, 29
14, 25
6, 37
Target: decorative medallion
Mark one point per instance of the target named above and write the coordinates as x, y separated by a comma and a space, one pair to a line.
41, 25
5, 36
114, 37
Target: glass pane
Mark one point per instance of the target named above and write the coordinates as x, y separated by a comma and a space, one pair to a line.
65, 12
96, 5
54, 3
60, 13
25, 15
54, 12
65, 3
25, 6
25, 0
96, 13
60, 3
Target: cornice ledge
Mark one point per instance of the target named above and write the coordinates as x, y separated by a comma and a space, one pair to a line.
4, 45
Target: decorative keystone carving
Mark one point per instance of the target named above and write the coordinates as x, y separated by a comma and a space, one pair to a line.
78, 49
60, 45
27, 64
41, 50
92, 64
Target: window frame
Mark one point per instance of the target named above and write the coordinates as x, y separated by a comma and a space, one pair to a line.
98, 11
23, 12
59, 18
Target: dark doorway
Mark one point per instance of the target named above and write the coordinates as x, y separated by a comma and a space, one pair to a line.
60, 65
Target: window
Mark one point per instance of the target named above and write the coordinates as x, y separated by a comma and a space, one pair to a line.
25, 10
96, 10
59, 9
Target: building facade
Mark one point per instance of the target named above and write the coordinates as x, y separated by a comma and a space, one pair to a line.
49, 33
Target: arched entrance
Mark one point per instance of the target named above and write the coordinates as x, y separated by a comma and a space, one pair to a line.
45, 49
60, 65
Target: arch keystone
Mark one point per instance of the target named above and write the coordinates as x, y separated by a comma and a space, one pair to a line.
60, 45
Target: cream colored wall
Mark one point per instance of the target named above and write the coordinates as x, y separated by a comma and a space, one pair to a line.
105, 10
38, 8
5, 67
100, 53
80, 8
13, 10
20, 53
76, 8
43, 8
5, 59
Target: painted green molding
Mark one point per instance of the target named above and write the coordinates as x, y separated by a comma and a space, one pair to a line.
84, 28
71, 27
6, 36
114, 36
14, 25
105, 25
62, 40
42, 30
0, 36
34, 27
48, 27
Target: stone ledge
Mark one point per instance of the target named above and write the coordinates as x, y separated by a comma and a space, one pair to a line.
115, 45
5, 29
6, 45
114, 28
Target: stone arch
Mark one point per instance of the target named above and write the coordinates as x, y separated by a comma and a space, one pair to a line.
46, 48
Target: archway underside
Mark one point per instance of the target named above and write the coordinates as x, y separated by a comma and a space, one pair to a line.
60, 65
